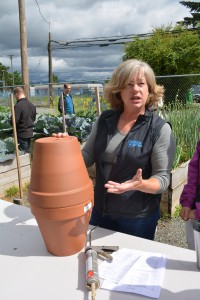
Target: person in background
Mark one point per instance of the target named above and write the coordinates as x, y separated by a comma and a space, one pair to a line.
133, 150
68, 100
25, 114
190, 197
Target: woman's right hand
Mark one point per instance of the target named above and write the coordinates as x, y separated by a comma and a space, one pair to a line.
60, 134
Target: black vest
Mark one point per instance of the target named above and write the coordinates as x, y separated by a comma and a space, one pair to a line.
133, 152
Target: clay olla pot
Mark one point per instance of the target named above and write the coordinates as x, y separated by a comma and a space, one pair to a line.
60, 194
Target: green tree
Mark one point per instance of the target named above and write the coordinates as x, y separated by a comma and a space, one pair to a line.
3, 74
17, 78
55, 79
7, 77
193, 21
169, 51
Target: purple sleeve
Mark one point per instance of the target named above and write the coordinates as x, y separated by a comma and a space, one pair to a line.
197, 211
189, 191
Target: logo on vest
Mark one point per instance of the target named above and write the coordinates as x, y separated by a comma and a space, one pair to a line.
134, 143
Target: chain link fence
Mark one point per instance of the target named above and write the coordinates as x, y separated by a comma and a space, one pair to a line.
47, 96
183, 88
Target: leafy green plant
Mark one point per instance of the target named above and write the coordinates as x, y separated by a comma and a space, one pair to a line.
47, 124
79, 127
87, 113
4, 109
7, 148
177, 211
12, 191
165, 216
5, 125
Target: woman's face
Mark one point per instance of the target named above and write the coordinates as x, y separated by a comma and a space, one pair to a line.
135, 93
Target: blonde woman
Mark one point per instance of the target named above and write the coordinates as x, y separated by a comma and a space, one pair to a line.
133, 151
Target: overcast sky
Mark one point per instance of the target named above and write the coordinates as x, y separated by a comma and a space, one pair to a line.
69, 21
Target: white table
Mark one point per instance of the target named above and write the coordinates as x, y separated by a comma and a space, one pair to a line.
28, 271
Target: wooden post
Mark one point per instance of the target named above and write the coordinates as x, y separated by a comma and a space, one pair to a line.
63, 113
97, 101
16, 201
23, 46
50, 71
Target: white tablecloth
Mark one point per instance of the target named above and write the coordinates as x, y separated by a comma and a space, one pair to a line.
28, 271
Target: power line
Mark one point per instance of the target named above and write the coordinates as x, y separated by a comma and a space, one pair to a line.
107, 41
49, 29
88, 45
41, 14
37, 65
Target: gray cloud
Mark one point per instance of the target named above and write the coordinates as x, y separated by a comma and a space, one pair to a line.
72, 20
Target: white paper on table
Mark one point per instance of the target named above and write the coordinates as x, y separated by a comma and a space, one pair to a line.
134, 271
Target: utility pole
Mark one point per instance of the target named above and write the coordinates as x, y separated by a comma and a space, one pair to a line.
23, 45
11, 58
50, 71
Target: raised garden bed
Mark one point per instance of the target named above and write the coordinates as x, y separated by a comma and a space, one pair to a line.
170, 198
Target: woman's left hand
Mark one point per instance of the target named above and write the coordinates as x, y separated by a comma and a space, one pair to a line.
132, 184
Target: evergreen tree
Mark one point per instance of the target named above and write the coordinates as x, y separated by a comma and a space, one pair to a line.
193, 21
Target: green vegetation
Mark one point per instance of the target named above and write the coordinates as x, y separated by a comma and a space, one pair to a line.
7, 78
4, 109
167, 216
185, 121
177, 211
171, 51
12, 191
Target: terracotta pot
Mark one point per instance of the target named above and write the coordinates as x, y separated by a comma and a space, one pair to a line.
60, 194
63, 229
58, 173
54, 200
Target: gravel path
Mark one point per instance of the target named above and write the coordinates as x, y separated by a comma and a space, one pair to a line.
46, 110
172, 232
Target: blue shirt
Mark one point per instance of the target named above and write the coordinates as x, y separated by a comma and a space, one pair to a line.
69, 106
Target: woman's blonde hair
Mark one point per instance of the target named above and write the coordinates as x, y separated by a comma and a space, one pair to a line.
122, 76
